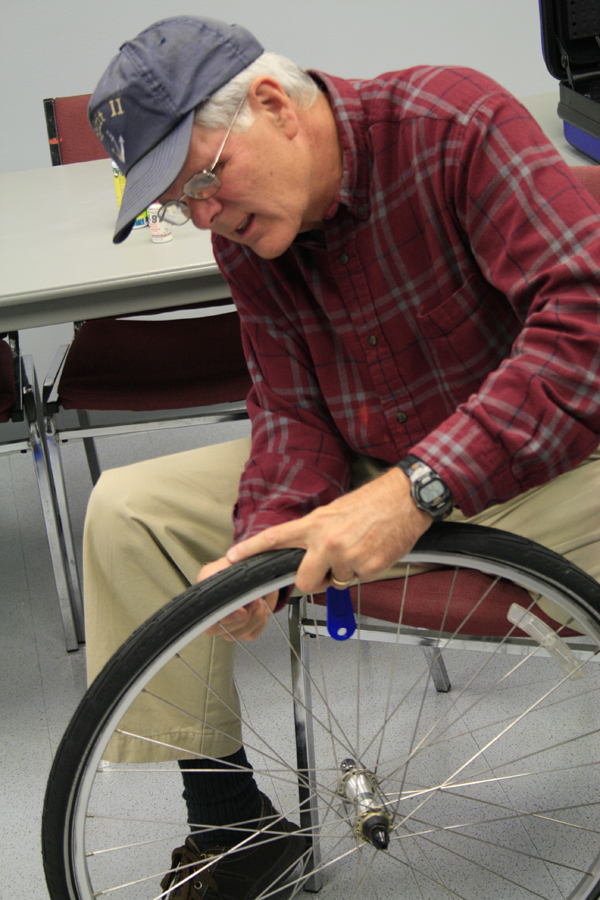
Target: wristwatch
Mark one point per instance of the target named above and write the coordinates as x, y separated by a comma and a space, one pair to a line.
427, 488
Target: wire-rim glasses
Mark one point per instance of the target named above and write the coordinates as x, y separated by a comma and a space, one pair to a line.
201, 186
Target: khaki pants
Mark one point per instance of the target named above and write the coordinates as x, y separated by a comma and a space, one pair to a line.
152, 525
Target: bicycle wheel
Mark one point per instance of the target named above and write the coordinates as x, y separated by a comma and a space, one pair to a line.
491, 790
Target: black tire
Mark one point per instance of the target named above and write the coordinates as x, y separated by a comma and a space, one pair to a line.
511, 850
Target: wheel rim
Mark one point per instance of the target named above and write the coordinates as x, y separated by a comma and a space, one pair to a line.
430, 851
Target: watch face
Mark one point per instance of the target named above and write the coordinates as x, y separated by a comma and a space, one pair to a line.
429, 493
428, 490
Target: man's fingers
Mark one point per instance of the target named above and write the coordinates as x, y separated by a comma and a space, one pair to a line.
279, 537
259, 543
212, 568
312, 574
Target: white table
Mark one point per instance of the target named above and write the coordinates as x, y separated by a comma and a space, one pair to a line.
58, 262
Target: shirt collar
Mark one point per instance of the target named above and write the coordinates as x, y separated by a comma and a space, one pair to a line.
348, 112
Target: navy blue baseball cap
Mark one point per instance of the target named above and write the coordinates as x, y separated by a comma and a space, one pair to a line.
143, 107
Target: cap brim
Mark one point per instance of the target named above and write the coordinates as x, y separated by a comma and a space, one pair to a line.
152, 175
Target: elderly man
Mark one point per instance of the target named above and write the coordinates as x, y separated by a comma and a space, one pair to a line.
417, 277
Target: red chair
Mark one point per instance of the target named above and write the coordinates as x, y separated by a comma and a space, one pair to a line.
163, 371
70, 135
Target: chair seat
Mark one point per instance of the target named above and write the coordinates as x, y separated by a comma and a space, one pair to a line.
8, 391
124, 364
426, 597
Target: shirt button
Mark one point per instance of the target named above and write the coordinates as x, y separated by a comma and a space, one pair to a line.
361, 210
344, 258
372, 340
402, 417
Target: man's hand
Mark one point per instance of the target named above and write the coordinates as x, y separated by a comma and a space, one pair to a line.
246, 623
355, 536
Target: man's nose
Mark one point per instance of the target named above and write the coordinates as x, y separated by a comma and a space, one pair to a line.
205, 212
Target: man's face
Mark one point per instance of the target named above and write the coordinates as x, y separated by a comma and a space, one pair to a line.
264, 201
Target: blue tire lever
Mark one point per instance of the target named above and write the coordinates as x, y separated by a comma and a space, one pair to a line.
341, 623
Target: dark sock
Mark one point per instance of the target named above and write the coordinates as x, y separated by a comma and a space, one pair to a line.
220, 798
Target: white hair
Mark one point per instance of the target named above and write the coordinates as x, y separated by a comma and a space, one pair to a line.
219, 110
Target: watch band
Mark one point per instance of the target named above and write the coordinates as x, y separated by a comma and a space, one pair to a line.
427, 488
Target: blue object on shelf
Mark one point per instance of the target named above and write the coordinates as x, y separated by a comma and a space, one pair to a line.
582, 141
570, 38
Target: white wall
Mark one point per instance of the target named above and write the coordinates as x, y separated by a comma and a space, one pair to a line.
53, 49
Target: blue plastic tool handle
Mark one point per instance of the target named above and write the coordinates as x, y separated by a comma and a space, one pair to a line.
341, 623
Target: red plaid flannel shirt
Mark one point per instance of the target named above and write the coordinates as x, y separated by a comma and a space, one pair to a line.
448, 309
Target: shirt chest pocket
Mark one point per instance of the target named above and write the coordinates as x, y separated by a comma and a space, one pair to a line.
474, 327
438, 317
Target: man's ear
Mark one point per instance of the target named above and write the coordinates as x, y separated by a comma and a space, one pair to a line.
267, 97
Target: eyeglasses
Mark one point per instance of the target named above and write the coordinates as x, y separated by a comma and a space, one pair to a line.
201, 186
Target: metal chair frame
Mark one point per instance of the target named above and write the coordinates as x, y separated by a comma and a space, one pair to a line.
31, 437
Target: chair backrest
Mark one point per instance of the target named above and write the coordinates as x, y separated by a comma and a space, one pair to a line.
70, 135
163, 364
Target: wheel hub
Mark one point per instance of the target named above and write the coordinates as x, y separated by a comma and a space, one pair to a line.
364, 804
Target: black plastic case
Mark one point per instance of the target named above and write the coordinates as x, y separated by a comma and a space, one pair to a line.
571, 45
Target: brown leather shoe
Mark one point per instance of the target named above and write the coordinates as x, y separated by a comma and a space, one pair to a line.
262, 864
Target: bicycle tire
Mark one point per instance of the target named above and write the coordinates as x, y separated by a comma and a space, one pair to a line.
74, 772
